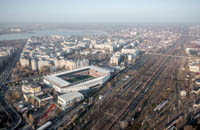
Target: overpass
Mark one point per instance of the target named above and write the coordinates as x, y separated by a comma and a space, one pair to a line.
175, 56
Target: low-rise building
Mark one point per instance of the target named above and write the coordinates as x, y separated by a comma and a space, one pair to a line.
197, 103
183, 93
37, 92
68, 99
31, 88
197, 82
196, 90
194, 67
130, 51
43, 63
44, 98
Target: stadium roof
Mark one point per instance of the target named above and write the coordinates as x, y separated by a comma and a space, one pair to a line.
54, 79
58, 81
88, 67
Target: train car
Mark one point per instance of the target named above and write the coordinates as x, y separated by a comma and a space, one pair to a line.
160, 106
173, 122
45, 126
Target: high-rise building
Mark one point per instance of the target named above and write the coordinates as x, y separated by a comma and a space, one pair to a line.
43, 63
24, 62
75, 64
115, 59
34, 64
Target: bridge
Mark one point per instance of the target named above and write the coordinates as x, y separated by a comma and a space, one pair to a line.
175, 56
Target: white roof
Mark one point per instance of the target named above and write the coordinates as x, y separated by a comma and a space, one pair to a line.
58, 81
54, 79
88, 67
70, 96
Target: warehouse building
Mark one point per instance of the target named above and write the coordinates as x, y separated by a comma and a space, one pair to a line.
68, 99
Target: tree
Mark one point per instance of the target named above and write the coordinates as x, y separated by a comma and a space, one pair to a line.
30, 117
37, 104
32, 100
109, 84
44, 69
15, 94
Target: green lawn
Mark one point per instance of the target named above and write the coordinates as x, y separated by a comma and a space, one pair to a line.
79, 78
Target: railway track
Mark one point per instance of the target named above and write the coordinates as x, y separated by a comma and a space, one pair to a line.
144, 90
176, 64
135, 102
153, 116
116, 92
114, 109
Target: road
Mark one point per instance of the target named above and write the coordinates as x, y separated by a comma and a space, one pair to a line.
5, 75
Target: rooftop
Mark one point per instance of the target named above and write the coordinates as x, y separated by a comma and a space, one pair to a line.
58, 81
71, 95
197, 101
44, 96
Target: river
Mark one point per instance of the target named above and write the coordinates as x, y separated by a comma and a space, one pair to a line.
15, 36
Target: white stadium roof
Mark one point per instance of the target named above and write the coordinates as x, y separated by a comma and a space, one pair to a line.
55, 81
88, 67
58, 81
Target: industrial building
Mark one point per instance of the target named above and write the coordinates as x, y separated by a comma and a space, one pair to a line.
78, 79
194, 67
68, 99
197, 82
31, 88
197, 103
196, 90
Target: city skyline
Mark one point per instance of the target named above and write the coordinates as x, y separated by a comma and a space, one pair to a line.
88, 11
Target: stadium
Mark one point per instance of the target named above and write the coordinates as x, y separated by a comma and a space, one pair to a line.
78, 79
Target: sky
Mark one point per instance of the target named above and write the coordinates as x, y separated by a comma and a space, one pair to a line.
97, 11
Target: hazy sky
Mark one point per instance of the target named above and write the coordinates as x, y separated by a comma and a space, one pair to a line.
99, 10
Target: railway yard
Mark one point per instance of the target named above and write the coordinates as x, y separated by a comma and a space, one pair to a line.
145, 95
158, 89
